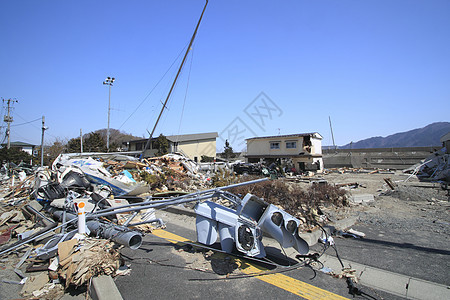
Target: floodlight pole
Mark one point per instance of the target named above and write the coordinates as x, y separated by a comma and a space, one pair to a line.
108, 81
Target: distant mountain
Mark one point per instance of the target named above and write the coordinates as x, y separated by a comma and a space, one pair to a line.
422, 137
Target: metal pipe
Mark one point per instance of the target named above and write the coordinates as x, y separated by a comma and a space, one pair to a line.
119, 234
159, 205
130, 218
32, 210
214, 190
36, 236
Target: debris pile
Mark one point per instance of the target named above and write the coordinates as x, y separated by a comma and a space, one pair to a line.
306, 205
56, 210
128, 176
434, 168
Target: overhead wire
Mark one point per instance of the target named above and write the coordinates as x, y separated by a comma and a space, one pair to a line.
27, 122
38, 128
185, 94
151, 120
168, 104
151, 91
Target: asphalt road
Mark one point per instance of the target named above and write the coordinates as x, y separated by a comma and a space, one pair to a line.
160, 270
415, 253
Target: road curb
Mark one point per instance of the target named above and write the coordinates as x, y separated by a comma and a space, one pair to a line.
394, 283
104, 288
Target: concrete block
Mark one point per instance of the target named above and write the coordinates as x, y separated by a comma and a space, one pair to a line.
104, 288
362, 198
344, 223
311, 237
422, 289
36, 205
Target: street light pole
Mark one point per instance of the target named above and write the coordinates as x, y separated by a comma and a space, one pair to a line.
108, 81
42, 140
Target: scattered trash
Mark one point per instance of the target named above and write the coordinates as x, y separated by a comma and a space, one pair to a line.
351, 233
326, 270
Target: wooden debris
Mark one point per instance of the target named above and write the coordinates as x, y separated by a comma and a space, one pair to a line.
94, 257
389, 182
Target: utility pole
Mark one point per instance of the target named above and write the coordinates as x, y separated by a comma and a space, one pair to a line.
81, 141
42, 140
332, 135
108, 81
8, 119
174, 81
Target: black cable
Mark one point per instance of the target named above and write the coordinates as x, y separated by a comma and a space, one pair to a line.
354, 291
151, 91
26, 122
337, 255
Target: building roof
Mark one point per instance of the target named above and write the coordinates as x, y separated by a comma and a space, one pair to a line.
313, 134
192, 137
184, 137
19, 144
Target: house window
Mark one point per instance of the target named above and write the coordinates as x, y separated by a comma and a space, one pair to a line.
274, 145
291, 145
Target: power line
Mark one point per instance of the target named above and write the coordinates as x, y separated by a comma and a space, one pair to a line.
38, 128
185, 94
151, 91
26, 122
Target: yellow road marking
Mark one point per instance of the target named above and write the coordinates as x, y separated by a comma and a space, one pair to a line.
282, 281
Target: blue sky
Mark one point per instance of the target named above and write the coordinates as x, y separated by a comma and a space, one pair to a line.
375, 67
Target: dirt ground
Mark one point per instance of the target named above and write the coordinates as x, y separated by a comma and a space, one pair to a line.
413, 205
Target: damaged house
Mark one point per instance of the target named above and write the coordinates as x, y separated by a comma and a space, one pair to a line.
304, 150
193, 146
